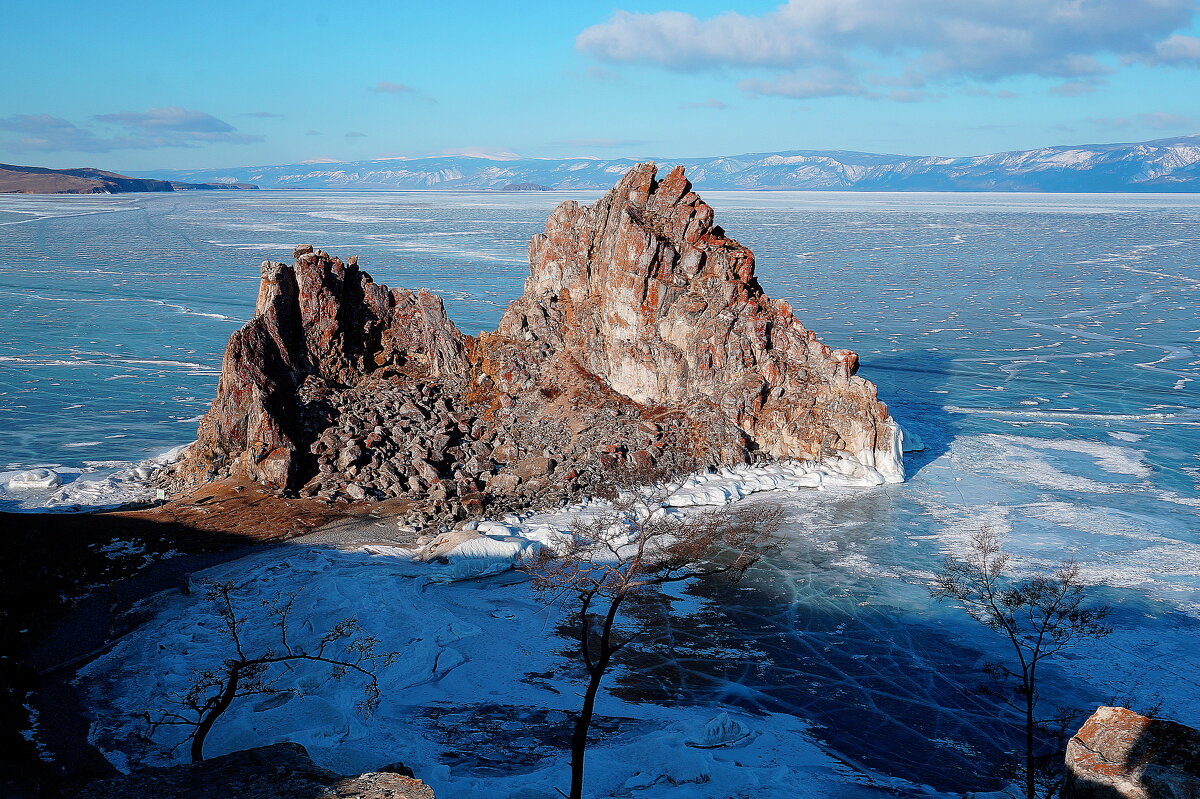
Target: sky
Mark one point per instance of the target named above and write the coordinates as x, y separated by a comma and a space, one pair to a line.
138, 86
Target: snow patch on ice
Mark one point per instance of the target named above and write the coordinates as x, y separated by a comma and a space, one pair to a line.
464, 654
1040, 462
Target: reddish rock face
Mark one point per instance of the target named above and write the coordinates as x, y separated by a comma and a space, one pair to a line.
641, 328
643, 292
1118, 754
321, 327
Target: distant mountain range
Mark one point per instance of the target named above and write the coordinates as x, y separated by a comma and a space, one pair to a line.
1164, 165
40, 180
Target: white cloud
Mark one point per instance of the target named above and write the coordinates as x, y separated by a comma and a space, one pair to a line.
711, 103
1074, 88
818, 82
1178, 50
827, 46
176, 127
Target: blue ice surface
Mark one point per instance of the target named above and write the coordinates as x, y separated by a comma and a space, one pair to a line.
1043, 346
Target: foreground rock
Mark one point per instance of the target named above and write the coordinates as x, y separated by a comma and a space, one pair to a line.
642, 329
279, 771
1118, 754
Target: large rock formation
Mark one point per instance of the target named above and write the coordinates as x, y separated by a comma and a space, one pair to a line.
642, 328
1118, 754
321, 329
279, 771
643, 292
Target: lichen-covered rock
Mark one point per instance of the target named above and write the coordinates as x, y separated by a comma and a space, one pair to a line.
1118, 754
279, 771
642, 329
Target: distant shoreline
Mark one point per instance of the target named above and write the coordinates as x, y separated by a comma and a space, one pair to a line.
1168, 166
597, 190
38, 180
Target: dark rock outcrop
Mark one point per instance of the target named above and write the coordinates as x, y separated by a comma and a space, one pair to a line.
279, 771
324, 336
642, 328
1118, 754
177, 186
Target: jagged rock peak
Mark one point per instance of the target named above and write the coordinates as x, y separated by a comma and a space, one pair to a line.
645, 293
641, 328
320, 327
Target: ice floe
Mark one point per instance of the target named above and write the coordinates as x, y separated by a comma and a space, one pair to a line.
491, 546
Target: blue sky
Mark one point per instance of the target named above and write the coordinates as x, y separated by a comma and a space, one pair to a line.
145, 85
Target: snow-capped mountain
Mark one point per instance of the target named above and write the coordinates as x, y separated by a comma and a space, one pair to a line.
1163, 165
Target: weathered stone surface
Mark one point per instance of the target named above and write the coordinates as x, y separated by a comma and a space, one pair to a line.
642, 329
1118, 754
279, 771
321, 327
642, 294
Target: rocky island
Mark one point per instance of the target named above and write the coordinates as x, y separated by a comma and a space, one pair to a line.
642, 328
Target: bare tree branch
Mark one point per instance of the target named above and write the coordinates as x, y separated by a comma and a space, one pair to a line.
636, 546
1040, 616
344, 648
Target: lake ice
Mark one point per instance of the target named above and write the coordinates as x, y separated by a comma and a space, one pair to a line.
1043, 347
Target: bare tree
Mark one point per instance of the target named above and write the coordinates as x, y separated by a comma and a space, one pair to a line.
1040, 616
636, 546
344, 648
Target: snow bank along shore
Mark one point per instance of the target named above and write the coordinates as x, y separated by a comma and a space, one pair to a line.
475, 653
100, 485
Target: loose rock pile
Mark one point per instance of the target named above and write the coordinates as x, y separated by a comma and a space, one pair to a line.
422, 441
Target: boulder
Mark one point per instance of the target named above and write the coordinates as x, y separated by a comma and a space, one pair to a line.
1118, 754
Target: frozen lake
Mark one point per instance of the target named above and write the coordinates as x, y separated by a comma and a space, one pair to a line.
1043, 347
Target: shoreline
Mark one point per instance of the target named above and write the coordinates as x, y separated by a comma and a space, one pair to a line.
222, 523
